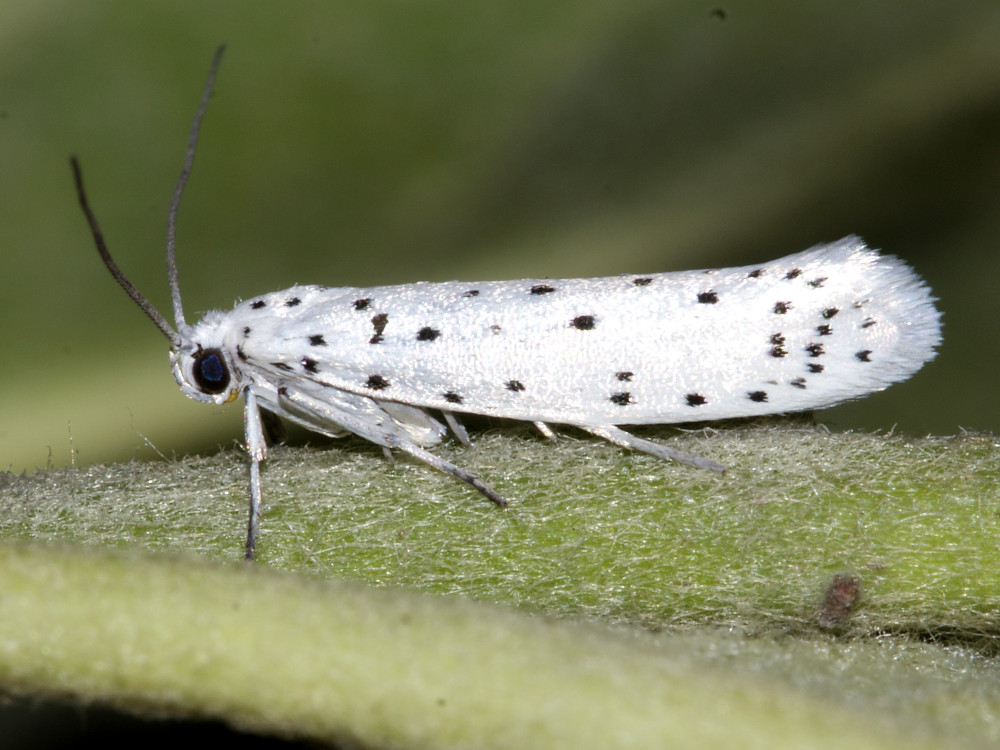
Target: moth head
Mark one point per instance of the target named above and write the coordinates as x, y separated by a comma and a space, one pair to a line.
204, 373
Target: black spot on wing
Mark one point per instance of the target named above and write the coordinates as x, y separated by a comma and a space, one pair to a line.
452, 398
514, 385
624, 376
830, 312
583, 322
317, 340
813, 367
246, 331
780, 308
778, 345
759, 397
642, 281
824, 330
817, 283
793, 274
293, 302
310, 365
427, 334
864, 355
708, 298
376, 383
868, 323
798, 383
362, 304
695, 399
471, 293
814, 350
621, 399
542, 289
756, 274
257, 304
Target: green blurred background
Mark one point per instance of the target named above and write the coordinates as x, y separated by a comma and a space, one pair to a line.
358, 143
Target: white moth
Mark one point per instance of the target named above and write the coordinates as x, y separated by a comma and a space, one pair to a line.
807, 331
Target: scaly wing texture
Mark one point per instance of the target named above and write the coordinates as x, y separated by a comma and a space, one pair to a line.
813, 329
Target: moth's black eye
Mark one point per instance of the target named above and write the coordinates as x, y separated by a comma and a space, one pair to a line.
210, 371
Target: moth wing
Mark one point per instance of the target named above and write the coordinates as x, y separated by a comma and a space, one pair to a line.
806, 331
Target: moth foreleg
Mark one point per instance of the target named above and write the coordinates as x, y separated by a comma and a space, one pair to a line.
257, 450
626, 440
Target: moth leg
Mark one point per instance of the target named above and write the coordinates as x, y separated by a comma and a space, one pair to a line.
457, 429
626, 440
368, 418
449, 468
545, 430
257, 450
388, 456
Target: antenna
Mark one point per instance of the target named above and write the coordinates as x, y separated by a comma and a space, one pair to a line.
144, 304
175, 290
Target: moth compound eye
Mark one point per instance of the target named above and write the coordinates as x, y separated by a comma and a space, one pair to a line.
210, 372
